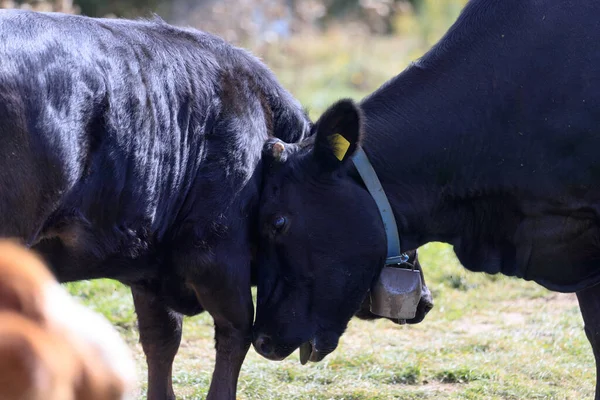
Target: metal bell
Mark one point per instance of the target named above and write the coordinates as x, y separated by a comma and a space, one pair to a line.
397, 293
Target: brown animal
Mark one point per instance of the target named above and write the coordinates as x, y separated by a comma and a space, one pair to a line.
51, 347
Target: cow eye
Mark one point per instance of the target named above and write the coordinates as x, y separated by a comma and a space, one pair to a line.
279, 223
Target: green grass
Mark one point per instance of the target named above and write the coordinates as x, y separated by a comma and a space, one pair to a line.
489, 338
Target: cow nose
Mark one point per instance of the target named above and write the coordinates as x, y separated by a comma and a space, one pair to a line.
264, 345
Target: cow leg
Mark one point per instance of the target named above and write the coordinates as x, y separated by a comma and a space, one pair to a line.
589, 303
160, 334
229, 301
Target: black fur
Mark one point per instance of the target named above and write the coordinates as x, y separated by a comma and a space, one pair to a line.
346, 122
488, 142
131, 150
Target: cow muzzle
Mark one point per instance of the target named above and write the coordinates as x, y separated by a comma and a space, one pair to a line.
397, 293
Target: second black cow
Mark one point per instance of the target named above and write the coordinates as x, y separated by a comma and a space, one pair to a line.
489, 142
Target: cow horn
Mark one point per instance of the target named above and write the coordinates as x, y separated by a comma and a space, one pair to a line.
278, 149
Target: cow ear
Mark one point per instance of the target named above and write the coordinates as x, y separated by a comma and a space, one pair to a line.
338, 134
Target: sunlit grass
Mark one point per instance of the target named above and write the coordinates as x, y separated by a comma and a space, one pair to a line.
489, 338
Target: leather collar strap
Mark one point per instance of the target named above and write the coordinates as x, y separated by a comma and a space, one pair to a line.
369, 177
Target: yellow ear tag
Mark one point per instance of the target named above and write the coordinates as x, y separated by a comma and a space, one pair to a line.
340, 145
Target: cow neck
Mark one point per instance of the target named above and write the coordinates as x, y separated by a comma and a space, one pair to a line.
371, 181
423, 149
440, 129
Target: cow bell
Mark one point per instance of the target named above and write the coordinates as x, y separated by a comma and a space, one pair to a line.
396, 293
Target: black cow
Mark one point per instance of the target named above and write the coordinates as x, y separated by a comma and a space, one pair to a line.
489, 142
131, 150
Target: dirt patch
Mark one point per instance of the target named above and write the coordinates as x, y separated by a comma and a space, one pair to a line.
513, 318
556, 300
475, 328
516, 312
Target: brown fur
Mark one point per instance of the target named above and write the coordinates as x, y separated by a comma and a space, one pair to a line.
40, 359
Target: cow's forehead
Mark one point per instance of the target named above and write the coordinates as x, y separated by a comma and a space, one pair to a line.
292, 171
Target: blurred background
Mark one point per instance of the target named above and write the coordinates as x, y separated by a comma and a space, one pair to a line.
320, 49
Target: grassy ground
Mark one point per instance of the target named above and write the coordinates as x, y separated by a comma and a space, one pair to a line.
487, 337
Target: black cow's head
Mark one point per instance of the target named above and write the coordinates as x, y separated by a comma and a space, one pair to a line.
323, 242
